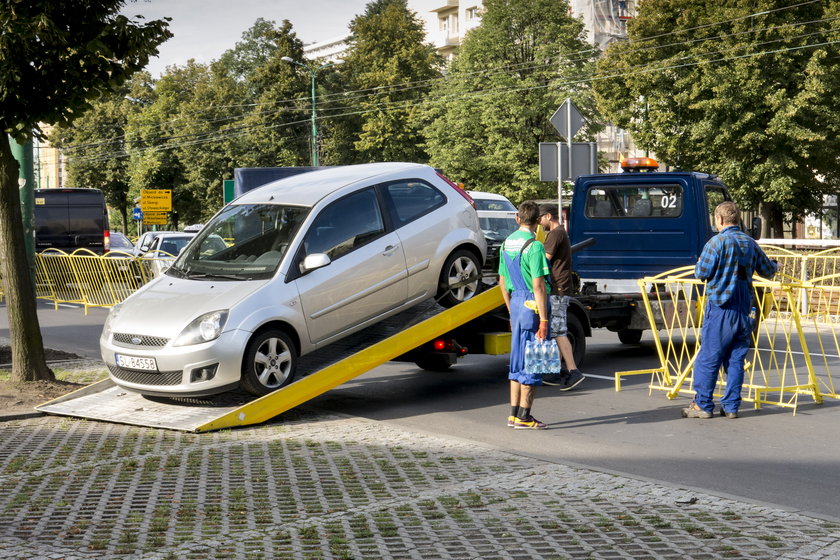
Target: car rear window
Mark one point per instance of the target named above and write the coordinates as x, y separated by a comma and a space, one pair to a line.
412, 199
634, 201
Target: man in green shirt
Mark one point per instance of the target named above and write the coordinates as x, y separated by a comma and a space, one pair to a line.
523, 277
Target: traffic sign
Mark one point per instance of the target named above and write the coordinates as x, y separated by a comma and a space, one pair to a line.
159, 200
138, 213
567, 120
155, 218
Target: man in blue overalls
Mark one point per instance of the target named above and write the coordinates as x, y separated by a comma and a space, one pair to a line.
523, 277
727, 264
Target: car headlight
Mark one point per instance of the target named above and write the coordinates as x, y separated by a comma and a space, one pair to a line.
205, 328
112, 315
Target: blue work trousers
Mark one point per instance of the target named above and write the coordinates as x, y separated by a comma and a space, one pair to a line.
724, 341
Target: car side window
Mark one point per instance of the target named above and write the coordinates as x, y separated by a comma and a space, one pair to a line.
412, 199
347, 224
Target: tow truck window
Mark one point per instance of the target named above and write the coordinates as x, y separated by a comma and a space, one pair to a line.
634, 201
714, 196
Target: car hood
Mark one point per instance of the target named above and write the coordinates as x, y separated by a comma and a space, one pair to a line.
166, 305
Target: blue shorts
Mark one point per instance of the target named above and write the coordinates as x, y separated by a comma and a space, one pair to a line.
526, 378
559, 306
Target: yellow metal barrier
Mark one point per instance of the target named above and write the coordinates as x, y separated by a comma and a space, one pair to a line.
779, 368
92, 280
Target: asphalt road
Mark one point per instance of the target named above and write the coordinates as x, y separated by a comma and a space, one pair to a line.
768, 456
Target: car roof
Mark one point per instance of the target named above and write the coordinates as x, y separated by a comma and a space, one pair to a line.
176, 235
486, 195
308, 188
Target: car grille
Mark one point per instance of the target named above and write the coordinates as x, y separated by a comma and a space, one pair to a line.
124, 339
145, 377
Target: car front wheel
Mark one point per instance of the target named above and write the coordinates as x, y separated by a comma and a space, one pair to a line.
460, 278
270, 362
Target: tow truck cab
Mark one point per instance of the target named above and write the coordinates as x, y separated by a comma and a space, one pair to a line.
643, 223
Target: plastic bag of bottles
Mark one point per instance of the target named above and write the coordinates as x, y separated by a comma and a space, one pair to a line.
542, 357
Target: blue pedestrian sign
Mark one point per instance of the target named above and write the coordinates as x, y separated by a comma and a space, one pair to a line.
138, 213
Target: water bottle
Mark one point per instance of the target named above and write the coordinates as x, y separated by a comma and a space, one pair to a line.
529, 357
539, 357
554, 360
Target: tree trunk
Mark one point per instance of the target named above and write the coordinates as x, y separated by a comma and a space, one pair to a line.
124, 214
772, 221
28, 360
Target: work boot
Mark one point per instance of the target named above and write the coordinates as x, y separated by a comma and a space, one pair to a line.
694, 411
728, 414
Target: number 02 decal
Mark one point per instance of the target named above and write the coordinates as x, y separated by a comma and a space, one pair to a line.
669, 201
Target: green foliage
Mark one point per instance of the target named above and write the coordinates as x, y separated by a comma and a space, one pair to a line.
747, 90
56, 57
485, 120
388, 66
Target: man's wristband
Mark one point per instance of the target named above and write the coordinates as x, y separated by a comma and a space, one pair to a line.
543, 320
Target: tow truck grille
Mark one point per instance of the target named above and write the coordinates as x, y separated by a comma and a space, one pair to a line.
146, 378
125, 339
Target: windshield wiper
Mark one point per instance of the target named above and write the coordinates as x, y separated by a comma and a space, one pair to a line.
218, 276
177, 272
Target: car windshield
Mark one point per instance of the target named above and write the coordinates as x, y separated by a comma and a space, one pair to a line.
242, 242
497, 228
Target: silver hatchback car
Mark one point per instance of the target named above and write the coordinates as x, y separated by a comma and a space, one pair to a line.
306, 261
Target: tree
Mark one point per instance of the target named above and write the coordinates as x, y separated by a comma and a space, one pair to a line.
55, 59
389, 67
485, 120
278, 126
94, 147
257, 47
748, 90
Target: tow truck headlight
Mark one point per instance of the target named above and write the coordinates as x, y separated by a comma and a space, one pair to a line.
205, 328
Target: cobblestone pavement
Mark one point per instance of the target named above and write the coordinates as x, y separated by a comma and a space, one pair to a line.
321, 486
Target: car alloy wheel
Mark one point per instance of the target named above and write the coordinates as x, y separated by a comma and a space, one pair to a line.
270, 362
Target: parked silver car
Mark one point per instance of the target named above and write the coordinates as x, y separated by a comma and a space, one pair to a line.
307, 260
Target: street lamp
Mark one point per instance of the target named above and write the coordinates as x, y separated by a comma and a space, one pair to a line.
312, 72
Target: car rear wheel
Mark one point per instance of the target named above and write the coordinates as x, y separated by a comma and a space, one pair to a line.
460, 279
270, 362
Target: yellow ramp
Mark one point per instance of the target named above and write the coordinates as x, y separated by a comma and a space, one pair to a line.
342, 371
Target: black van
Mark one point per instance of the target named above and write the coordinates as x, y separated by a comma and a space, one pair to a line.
70, 219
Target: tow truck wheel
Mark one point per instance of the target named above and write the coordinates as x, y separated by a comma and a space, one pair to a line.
434, 363
270, 362
460, 279
630, 336
577, 338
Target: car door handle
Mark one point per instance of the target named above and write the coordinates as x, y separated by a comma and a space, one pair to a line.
390, 249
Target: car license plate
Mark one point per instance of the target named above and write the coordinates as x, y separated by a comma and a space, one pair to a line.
133, 362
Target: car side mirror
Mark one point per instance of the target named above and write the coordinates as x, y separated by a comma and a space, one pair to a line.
314, 262
755, 229
144, 248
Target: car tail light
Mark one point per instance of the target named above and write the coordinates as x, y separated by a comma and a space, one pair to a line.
107, 240
459, 190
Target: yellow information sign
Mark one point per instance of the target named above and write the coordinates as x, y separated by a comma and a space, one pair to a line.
156, 200
155, 218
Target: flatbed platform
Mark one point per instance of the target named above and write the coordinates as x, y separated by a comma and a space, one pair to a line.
317, 372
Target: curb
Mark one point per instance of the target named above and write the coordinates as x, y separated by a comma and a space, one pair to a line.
21, 416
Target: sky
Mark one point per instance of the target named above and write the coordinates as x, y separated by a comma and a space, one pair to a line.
204, 29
